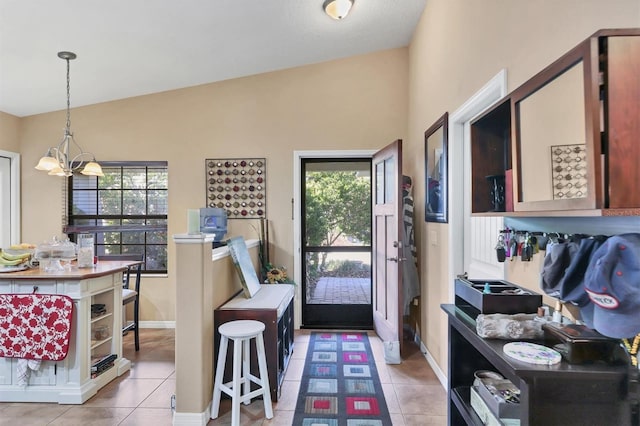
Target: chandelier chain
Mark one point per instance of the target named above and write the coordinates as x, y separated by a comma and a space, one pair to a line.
68, 99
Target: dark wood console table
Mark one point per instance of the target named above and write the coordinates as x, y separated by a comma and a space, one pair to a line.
273, 305
560, 394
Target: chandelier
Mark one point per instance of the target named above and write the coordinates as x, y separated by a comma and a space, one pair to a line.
67, 157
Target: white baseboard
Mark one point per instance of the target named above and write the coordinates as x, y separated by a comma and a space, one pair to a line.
434, 365
191, 419
157, 324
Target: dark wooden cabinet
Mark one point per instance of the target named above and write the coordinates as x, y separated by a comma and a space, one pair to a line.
622, 127
272, 305
491, 159
560, 394
571, 131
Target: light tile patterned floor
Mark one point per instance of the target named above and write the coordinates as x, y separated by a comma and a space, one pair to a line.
142, 397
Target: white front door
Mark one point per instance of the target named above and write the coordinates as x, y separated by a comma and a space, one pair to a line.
386, 242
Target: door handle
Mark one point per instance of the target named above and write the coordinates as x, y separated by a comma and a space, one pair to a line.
397, 244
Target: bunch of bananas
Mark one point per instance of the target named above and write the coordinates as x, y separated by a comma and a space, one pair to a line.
22, 246
8, 259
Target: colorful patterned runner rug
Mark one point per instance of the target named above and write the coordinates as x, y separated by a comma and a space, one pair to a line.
340, 384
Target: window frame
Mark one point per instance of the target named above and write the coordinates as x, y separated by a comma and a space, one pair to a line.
72, 230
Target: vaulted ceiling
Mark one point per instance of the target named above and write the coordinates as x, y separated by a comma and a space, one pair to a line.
129, 48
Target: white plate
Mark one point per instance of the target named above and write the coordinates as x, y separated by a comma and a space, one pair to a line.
532, 353
21, 267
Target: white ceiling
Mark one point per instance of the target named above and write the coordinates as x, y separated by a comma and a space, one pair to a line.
134, 47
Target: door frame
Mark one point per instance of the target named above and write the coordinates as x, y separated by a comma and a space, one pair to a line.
14, 198
459, 184
296, 213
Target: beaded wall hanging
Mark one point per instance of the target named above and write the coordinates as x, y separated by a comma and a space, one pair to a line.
237, 185
569, 171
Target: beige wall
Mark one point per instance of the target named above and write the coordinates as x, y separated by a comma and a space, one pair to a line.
458, 46
355, 103
9, 129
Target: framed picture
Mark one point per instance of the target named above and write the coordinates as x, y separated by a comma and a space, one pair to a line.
237, 185
435, 166
244, 266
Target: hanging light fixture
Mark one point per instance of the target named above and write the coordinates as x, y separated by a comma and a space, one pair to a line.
337, 9
67, 157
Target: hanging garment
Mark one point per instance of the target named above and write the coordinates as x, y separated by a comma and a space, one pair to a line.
410, 279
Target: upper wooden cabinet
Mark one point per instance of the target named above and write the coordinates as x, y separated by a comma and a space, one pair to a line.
491, 159
574, 132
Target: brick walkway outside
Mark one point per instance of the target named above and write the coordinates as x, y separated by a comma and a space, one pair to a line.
341, 291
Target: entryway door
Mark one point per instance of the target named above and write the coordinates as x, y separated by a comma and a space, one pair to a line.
335, 243
387, 243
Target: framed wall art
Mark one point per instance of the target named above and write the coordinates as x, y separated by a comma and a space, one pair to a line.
435, 165
237, 185
244, 266
569, 171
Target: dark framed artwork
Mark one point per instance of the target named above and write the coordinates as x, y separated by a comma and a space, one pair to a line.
435, 166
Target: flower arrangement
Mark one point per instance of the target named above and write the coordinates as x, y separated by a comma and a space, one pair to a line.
277, 275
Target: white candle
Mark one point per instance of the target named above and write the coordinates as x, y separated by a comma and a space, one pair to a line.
193, 221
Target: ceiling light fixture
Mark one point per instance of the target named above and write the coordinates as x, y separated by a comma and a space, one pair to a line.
58, 161
337, 9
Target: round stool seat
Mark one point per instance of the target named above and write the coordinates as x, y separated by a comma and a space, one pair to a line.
241, 329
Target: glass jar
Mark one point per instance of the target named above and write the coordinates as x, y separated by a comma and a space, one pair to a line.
85, 250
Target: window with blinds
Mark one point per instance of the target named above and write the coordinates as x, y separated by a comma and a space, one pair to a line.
126, 210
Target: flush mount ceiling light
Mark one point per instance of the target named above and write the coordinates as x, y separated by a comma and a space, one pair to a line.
337, 9
67, 157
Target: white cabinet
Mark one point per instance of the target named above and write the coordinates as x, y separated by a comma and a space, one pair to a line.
70, 381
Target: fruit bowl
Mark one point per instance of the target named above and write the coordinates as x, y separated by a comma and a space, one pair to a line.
14, 257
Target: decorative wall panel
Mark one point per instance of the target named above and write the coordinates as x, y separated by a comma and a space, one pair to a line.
237, 185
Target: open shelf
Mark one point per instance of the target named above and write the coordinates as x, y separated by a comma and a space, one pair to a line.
490, 157
461, 397
101, 317
593, 393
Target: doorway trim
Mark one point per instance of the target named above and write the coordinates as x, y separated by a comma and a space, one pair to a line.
494, 90
296, 213
14, 196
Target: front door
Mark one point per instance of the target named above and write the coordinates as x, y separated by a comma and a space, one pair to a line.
387, 250
336, 243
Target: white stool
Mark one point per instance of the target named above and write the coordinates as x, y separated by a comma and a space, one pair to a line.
241, 332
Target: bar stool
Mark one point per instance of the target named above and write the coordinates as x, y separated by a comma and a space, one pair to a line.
241, 332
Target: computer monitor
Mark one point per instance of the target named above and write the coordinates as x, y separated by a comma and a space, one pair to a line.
213, 221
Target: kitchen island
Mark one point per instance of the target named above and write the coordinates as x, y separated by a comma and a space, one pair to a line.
95, 334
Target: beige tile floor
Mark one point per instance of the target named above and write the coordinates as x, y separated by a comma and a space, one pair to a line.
143, 396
